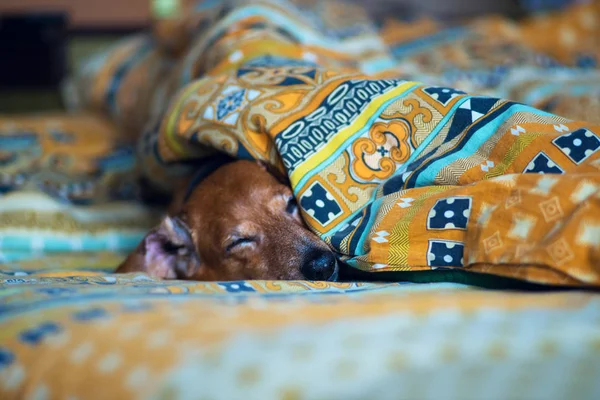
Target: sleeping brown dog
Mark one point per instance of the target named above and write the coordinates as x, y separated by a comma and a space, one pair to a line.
240, 222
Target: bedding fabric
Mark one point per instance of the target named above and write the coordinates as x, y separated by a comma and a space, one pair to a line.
66, 186
106, 336
470, 177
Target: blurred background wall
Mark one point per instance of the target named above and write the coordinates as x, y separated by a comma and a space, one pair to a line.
89, 25
85, 14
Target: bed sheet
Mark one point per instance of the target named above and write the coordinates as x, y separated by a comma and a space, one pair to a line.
96, 335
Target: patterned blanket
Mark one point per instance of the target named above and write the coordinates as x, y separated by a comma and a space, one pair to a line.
395, 175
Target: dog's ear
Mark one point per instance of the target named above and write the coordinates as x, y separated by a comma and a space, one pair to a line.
280, 176
167, 251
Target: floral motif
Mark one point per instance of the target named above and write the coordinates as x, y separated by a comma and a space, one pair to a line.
226, 109
377, 156
230, 103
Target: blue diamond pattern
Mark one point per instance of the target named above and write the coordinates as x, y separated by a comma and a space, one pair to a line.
320, 204
445, 253
542, 164
14, 281
37, 334
450, 213
91, 314
237, 286
442, 94
578, 145
6, 358
230, 103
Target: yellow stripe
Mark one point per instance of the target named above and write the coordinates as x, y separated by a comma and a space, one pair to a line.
337, 141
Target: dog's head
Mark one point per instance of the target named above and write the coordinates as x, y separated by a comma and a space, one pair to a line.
240, 222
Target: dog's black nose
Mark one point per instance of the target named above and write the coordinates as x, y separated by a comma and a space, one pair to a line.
319, 266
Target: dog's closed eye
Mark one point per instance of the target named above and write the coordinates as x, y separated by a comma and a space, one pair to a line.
238, 243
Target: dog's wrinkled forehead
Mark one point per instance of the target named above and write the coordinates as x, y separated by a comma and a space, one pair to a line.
206, 167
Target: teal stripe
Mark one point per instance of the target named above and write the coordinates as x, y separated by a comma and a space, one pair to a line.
14, 256
545, 91
302, 33
25, 242
377, 65
359, 250
478, 138
206, 4
345, 145
307, 36
336, 228
428, 42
